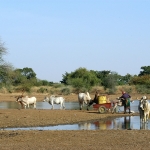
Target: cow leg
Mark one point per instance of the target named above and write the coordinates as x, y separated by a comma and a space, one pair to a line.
34, 105
63, 105
147, 116
114, 107
52, 106
81, 106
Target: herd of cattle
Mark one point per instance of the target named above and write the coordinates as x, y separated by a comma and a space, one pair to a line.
84, 98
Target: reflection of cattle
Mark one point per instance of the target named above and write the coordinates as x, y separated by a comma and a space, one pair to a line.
144, 126
117, 125
84, 98
84, 126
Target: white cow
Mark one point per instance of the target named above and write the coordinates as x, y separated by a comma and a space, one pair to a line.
55, 100
26, 101
84, 98
144, 109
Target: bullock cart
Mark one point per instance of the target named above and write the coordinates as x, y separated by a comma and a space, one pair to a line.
103, 108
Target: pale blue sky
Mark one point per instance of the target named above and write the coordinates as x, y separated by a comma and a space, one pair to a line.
57, 36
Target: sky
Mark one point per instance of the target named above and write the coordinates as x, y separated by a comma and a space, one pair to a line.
57, 36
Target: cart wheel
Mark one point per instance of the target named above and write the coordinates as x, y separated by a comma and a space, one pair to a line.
102, 109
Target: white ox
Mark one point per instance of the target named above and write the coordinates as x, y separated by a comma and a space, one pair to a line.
84, 98
144, 109
55, 100
26, 101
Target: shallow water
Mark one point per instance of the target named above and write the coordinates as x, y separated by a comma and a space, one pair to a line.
46, 105
39, 105
130, 122
122, 123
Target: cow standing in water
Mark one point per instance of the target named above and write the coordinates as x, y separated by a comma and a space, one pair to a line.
84, 98
55, 100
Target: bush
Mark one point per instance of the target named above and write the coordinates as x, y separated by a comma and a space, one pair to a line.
65, 91
42, 90
111, 90
143, 89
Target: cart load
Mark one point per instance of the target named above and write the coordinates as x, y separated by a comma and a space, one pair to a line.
103, 99
103, 104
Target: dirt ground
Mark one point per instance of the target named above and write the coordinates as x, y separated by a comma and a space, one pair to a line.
67, 140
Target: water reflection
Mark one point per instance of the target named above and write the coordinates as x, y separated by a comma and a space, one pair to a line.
103, 125
122, 123
128, 122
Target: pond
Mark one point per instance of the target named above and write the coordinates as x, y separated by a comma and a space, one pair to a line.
68, 105
121, 123
130, 122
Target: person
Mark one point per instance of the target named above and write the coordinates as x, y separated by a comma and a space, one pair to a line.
126, 101
95, 100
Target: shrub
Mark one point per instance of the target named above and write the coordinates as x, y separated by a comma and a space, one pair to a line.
143, 89
65, 91
42, 90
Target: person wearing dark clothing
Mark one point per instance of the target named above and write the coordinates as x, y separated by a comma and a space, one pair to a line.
126, 101
95, 100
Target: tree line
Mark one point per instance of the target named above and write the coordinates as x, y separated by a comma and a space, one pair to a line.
81, 79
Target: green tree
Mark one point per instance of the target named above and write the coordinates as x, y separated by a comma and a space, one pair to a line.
25, 77
145, 71
110, 82
65, 77
126, 79
101, 75
28, 73
81, 79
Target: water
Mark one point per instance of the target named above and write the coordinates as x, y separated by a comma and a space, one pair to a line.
46, 105
39, 105
121, 123
129, 122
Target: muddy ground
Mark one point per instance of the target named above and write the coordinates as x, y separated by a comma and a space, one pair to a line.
67, 140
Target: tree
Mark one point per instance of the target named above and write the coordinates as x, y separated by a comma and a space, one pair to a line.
5, 68
65, 78
101, 75
28, 73
146, 71
25, 76
81, 79
110, 82
126, 79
